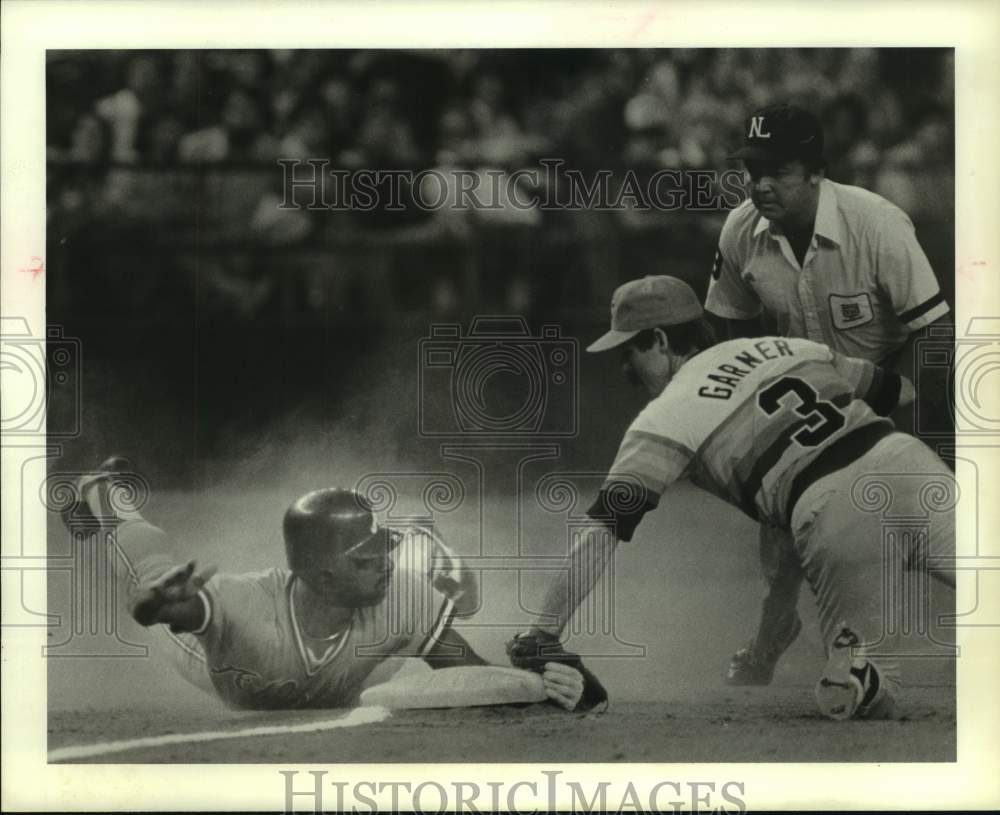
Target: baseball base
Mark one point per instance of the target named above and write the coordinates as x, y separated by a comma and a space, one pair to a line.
468, 686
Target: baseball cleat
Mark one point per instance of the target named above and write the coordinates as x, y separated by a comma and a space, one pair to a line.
94, 505
754, 666
851, 687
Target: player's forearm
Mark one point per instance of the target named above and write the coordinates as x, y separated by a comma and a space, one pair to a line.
451, 577
145, 552
586, 564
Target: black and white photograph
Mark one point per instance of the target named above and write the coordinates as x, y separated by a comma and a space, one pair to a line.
556, 405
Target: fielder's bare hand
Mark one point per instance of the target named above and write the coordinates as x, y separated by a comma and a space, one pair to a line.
563, 684
170, 598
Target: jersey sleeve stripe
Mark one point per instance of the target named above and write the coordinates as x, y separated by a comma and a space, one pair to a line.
922, 309
662, 441
207, 605
655, 461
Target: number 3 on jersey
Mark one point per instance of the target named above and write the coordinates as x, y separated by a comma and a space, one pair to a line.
821, 418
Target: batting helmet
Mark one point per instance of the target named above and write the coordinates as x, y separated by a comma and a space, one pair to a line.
326, 523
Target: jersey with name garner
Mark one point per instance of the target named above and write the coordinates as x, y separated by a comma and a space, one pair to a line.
741, 419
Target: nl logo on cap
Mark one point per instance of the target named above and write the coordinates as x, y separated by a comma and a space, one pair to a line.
757, 128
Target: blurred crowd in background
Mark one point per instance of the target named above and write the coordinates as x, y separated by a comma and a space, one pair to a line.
171, 157
203, 307
681, 108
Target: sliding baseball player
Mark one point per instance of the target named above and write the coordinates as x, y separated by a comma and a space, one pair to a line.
309, 635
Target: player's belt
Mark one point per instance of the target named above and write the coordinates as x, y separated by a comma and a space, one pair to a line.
844, 451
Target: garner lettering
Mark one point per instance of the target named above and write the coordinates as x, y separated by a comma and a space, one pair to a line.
715, 393
747, 359
764, 351
768, 349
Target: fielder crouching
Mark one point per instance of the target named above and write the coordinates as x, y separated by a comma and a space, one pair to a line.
314, 634
785, 430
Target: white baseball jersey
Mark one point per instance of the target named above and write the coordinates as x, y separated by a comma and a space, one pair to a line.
742, 419
863, 286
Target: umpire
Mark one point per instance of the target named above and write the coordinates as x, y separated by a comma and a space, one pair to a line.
808, 257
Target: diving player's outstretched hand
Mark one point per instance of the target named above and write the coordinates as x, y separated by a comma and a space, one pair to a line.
169, 598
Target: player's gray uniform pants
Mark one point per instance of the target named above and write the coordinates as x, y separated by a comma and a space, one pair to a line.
871, 536
781, 567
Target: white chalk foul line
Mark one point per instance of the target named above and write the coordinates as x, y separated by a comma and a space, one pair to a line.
358, 716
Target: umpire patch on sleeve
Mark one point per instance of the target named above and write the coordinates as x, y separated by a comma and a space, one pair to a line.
851, 310
717, 264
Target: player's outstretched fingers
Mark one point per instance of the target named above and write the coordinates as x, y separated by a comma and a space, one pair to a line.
172, 585
201, 578
184, 582
563, 684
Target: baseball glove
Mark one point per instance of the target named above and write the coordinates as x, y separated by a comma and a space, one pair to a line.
530, 650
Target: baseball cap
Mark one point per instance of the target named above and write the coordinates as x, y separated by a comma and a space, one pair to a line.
781, 133
647, 303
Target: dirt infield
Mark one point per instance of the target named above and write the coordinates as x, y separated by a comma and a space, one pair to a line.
687, 594
772, 724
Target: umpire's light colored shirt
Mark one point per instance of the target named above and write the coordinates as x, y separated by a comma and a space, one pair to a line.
864, 285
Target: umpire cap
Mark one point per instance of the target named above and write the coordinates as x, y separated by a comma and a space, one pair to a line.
329, 522
781, 133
